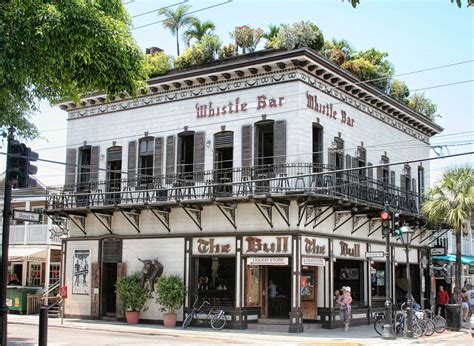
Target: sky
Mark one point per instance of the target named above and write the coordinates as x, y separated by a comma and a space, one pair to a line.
417, 34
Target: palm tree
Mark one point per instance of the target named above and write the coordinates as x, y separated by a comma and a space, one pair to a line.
176, 19
451, 202
272, 32
198, 29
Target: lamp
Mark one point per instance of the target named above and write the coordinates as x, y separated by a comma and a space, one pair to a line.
407, 235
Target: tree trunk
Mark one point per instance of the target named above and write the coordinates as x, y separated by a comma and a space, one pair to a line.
458, 265
177, 40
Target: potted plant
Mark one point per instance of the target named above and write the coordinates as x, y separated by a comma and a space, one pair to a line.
133, 297
171, 293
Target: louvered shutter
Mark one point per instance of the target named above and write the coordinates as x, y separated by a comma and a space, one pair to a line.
95, 284
170, 157
380, 182
256, 155
71, 162
370, 174
158, 160
348, 175
246, 148
121, 272
132, 163
280, 145
332, 164
224, 140
111, 251
95, 156
355, 174
402, 182
392, 178
199, 147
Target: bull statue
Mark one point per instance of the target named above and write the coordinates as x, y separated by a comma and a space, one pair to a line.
152, 270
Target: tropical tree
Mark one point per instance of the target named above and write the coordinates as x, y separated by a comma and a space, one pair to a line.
198, 29
423, 105
451, 202
176, 19
338, 51
271, 34
399, 90
61, 49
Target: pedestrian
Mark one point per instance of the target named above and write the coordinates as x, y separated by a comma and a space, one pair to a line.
272, 289
345, 302
441, 301
337, 295
465, 304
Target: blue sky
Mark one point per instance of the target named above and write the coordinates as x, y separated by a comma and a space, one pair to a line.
416, 34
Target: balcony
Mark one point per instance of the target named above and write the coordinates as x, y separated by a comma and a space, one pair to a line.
32, 234
449, 239
281, 181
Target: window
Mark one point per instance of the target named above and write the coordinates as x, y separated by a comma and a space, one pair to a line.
15, 274
114, 172
317, 148
377, 280
421, 181
361, 162
35, 275
54, 273
264, 143
186, 154
84, 166
407, 178
145, 161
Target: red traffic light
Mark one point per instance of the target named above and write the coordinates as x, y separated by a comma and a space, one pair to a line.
385, 215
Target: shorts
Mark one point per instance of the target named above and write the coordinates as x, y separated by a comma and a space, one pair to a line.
465, 305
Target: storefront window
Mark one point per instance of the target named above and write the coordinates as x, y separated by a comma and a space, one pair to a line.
54, 273
377, 280
35, 275
216, 281
15, 274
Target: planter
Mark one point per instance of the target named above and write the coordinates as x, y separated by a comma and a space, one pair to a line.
169, 320
132, 316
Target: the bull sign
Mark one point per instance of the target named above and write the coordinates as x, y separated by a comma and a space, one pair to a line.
152, 270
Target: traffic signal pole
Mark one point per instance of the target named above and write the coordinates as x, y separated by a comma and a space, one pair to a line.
5, 241
388, 332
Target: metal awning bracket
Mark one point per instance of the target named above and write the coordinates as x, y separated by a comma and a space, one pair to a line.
266, 211
356, 222
283, 208
194, 212
338, 218
133, 218
228, 210
163, 215
105, 220
316, 224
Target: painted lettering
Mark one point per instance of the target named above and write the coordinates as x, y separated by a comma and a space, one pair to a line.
256, 245
347, 251
210, 247
311, 248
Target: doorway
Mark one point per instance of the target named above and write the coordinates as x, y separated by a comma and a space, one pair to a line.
350, 273
278, 282
223, 162
109, 297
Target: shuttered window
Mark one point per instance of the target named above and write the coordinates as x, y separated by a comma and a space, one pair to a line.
370, 174
224, 140
158, 158
111, 251
170, 150
280, 145
95, 157
132, 161
71, 161
421, 180
246, 146
317, 148
199, 154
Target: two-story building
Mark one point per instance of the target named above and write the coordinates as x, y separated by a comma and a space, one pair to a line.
271, 166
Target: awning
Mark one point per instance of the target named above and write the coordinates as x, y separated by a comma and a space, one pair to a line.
36, 254
452, 258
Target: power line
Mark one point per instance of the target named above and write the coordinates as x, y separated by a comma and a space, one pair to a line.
158, 9
163, 20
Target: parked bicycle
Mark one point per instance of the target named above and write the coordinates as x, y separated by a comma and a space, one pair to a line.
217, 317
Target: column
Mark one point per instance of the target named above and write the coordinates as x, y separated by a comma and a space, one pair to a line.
296, 315
239, 320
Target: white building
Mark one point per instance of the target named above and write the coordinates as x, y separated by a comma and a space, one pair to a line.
223, 172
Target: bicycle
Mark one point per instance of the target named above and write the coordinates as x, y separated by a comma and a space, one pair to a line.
218, 318
439, 321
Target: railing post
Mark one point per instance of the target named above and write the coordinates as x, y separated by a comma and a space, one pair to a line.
43, 327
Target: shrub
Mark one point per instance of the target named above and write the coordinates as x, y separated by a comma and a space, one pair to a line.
210, 45
227, 51
201, 52
246, 37
298, 35
158, 64
171, 293
132, 296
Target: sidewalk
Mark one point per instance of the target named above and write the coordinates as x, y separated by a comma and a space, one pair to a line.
360, 335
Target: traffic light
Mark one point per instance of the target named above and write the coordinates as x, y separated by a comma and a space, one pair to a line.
385, 217
20, 167
397, 225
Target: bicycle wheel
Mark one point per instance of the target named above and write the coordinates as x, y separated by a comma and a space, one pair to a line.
418, 330
187, 321
218, 321
440, 324
430, 327
378, 325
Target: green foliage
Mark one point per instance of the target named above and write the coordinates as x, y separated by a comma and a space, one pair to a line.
158, 64
227, 51
176, 19
371, 65
423, 105
132, 296
271, 35
338, 51
399, 90
171, 293
246, 37
198, 30
298, 35
61, 49
204, 51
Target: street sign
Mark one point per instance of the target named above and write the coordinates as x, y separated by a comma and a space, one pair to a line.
438, 251
23, 215
63, 291
375, 254
267, 261
313, 261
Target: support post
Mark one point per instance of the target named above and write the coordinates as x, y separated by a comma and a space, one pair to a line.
296, 315
409, 333
43, 327
388, 332
5, 241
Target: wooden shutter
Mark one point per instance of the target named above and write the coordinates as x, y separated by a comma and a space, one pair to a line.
71, 162
95, 156
332, 159
170, 149
256, 155
111, 251
224, 140
280, 145
120, 313
246, 146
199, 147
132, 162
95, 283
158, 159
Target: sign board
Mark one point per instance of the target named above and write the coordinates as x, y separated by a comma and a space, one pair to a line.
373, 254
63, 291
313, 246
214, 246
438, 251
267, 245
267, 261
23, 215
313, 261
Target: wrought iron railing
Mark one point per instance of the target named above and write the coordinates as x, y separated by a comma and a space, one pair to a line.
282, 179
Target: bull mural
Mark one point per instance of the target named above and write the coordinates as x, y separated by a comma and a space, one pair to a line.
151, 271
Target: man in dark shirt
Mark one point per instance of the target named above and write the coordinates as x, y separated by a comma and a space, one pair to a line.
442, 300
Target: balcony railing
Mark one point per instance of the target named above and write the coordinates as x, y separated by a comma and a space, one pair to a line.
283, 179
449, 239
32, 234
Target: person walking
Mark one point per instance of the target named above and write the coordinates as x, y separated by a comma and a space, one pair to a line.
465, 304
441, 300
345, 302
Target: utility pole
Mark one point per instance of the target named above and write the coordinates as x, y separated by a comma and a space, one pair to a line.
5, 242
387, 225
